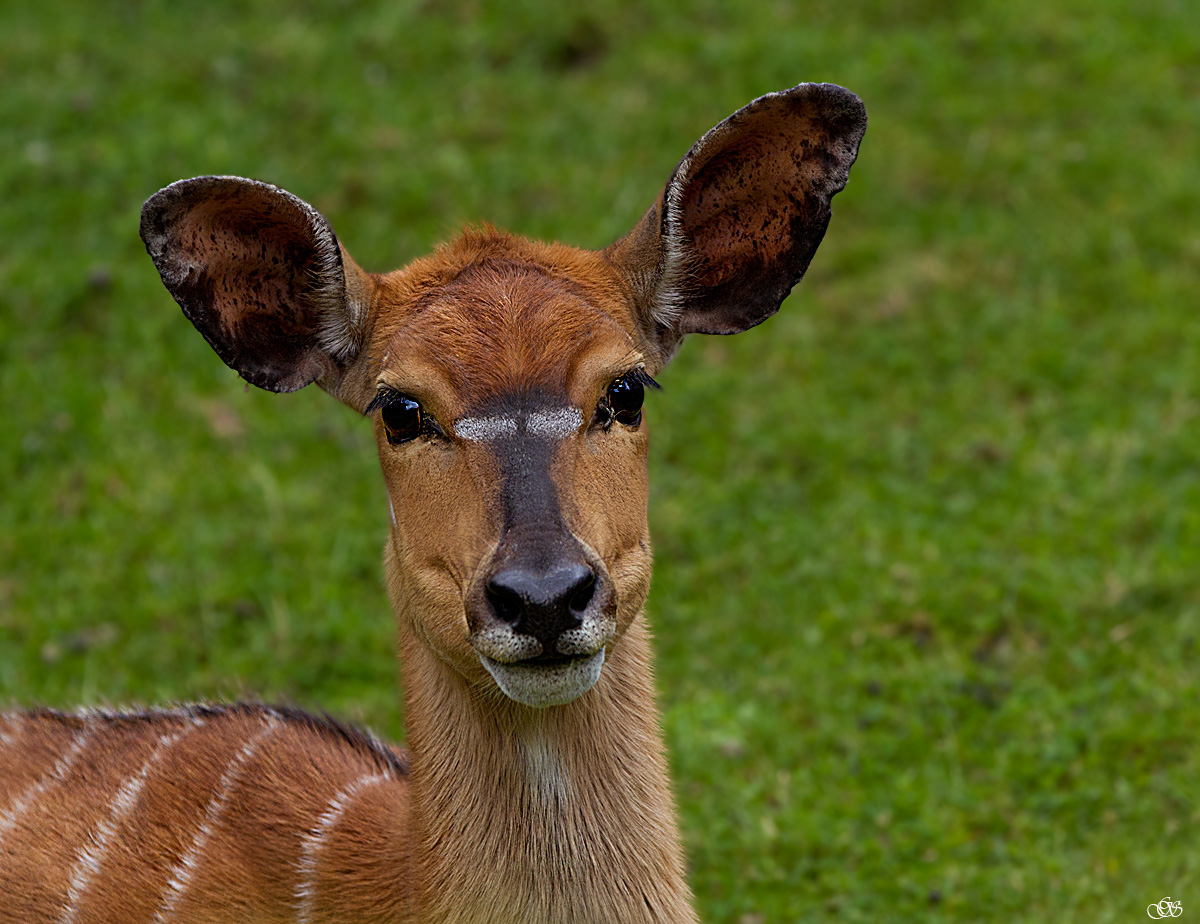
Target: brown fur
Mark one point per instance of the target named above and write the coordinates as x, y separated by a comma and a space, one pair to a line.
248, 870
511, 814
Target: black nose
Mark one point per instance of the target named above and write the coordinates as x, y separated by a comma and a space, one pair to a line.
542, 604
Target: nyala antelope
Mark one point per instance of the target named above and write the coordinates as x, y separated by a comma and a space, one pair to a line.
505, 380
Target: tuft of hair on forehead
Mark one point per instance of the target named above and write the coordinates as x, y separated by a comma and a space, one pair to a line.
501, 314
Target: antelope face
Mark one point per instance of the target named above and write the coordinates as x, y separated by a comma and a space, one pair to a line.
508, 410
505, 376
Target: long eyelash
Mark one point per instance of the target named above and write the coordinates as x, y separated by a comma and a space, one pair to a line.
382, 398
386, 396
642, 377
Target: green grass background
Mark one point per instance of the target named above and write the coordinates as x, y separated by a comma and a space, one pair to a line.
927, 543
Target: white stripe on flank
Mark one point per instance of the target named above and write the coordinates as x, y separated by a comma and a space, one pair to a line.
11, 720
557, 423
314, 843
185, 869
91, 854
20, 805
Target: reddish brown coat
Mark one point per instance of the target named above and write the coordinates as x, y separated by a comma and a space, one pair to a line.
548, 802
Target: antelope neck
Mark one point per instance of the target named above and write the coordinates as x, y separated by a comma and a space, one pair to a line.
539, 816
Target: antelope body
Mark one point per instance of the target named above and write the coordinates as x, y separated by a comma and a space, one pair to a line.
505, 379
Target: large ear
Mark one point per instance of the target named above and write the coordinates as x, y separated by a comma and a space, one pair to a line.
742, 215
261, 275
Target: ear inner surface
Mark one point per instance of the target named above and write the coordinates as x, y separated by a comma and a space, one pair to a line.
744, 212
259, 273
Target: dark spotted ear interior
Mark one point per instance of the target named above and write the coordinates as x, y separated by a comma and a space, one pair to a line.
260, 274
743, 214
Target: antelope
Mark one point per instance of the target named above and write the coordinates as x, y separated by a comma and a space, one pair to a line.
505, 380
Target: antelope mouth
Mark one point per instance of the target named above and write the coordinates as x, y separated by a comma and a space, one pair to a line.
546, 682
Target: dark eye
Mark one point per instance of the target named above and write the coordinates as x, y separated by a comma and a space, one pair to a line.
402, 420
625, 397
623, 401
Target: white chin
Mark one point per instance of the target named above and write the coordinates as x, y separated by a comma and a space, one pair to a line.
546, 685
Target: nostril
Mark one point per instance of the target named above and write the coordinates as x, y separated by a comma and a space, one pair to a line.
582, 595
506, 602
542, 603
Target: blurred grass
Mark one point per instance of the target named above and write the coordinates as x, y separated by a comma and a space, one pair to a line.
928, 542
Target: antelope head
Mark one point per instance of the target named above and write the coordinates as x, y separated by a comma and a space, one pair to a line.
505, 378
